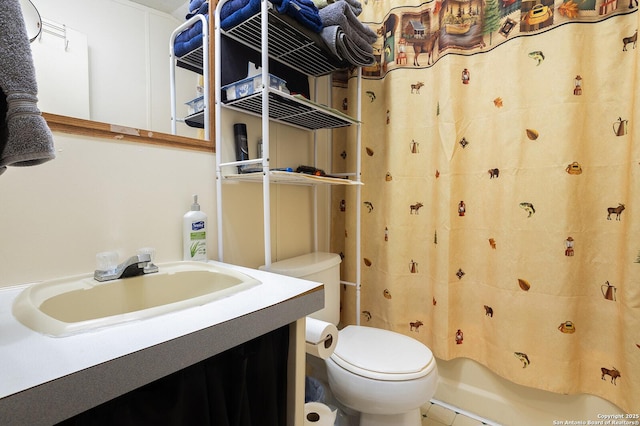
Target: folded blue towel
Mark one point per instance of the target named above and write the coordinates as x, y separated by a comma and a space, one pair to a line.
196, 7
230, 7
189, 39
235, 12
303, 11
195, 4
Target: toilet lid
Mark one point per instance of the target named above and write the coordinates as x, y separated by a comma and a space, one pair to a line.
381, 354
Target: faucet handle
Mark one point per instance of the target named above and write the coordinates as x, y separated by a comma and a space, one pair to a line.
148, 250
107, 261
151, 252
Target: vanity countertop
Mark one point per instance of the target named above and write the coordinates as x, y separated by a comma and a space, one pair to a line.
47, 379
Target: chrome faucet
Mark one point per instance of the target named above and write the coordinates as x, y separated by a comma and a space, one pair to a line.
139, 264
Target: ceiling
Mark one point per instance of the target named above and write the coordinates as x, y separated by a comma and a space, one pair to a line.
177, 8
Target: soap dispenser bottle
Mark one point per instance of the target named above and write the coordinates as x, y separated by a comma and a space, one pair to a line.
195, 233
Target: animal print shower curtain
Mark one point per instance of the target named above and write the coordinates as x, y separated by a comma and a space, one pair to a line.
500, 211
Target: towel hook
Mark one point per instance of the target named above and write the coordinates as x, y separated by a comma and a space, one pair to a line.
55, 29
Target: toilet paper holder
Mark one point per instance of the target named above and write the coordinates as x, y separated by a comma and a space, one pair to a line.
320, 338
328, 341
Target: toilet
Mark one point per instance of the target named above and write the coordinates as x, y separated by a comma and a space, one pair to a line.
384, 375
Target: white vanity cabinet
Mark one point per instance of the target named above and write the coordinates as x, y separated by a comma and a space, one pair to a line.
47, 380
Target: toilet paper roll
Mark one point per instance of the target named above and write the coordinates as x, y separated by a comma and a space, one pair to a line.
318, 414
321, 338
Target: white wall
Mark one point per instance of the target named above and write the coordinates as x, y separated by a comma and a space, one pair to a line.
128, 63
62, 72
97, 195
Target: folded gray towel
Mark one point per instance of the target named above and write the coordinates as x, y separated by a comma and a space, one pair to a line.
342, 47
355, 5
25, 138
340, 13
330, 37
352, 52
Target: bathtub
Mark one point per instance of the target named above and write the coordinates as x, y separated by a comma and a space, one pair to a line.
470, 386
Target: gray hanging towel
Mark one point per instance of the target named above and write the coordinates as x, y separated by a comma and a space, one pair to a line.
25, 138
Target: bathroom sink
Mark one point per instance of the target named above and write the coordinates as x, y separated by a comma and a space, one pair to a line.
70, 305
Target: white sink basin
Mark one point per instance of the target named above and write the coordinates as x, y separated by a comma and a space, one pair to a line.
70, 305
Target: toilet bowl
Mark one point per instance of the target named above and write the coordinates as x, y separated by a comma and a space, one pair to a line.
384, 375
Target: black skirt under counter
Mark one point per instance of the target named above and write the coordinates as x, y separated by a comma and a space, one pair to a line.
244, 386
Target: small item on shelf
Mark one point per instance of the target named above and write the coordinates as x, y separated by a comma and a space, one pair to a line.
242, 147
251, 85
310, 170
251, 169
256, 169
195, 120
195, 105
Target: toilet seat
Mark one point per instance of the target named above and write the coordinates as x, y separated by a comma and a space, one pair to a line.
381, 354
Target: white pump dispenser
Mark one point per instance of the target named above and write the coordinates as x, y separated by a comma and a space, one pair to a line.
195, 233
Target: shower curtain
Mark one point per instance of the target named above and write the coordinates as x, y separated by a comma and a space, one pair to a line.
501, 170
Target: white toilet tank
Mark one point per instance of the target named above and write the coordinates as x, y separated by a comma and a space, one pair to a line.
320, 267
